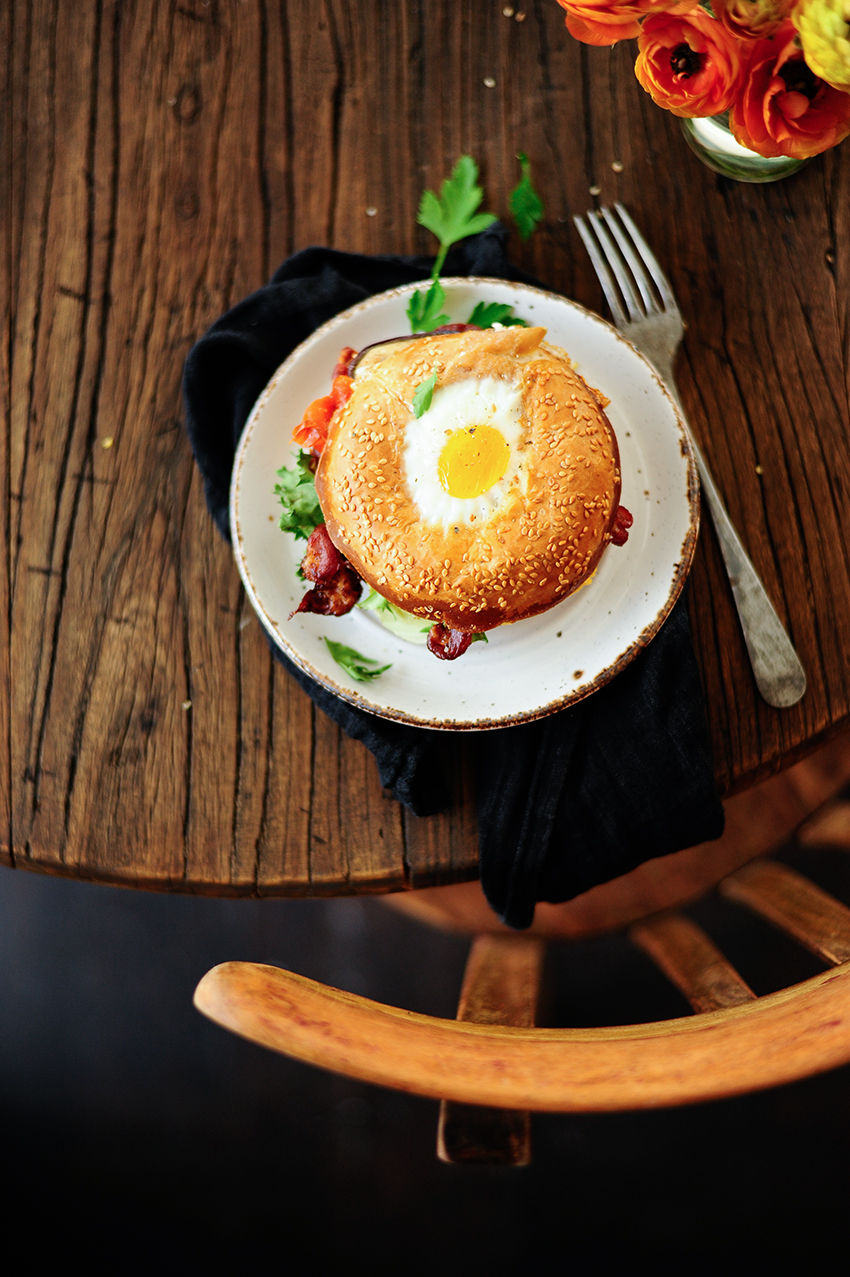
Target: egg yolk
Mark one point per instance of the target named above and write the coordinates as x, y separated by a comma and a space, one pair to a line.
472, 460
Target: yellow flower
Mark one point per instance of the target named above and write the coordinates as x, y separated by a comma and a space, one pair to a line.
824, 27
752, 19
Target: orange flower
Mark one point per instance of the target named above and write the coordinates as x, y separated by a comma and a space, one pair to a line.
785, 109
691, 65
607, 21
752, 19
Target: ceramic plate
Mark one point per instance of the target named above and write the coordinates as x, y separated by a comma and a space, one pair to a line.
525, 670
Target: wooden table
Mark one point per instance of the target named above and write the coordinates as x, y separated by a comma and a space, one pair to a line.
162, 160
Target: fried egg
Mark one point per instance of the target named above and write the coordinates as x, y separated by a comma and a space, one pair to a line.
463, 456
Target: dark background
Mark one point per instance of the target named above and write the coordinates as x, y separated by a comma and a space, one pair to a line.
140, 1136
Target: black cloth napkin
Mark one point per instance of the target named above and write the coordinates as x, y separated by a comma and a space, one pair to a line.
564, 803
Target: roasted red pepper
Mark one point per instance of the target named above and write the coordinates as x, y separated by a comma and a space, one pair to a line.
312, 433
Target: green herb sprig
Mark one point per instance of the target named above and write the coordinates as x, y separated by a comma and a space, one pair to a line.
451, 216
423, 394
486, 314
354, 663
297, 492
525, 204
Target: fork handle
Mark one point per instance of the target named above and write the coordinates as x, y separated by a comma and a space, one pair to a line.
779, 675
778, 672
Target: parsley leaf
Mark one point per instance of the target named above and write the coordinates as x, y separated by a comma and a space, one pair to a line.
486, 314
423, 395
353, 663
452, 215
425, 309
526, 204
297, 491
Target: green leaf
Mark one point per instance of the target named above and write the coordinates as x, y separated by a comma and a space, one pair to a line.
355, 664
413, 629
425, 309
452, 215
374, 602
486, 314
526, 205
423, 394
297, 491
480, 638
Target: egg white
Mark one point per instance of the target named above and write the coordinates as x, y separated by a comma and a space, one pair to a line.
461, 404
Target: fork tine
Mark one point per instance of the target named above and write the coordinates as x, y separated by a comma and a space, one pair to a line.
619, 267
639, 273
649, 261
603, 272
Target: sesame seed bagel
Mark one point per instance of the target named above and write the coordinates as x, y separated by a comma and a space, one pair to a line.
522, 544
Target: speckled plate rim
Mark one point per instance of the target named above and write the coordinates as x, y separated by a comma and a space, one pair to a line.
633, 649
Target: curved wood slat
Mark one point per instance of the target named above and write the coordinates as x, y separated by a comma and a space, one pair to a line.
779, 1038
691, 961
795, 905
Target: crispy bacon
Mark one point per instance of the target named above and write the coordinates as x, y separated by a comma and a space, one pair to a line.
623, 520
333, 597
322, 559
448, 644
337, 584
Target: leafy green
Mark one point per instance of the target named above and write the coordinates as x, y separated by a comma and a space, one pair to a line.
413, 629
486, 314
425, 309
526, 205
452, 216
423, 394
353, 663
297, 491
480, 638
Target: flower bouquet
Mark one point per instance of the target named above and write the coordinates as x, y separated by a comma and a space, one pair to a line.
779, 68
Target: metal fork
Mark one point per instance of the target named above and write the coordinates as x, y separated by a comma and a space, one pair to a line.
645, 310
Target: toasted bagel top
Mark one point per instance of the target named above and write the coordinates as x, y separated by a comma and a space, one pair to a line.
403, 498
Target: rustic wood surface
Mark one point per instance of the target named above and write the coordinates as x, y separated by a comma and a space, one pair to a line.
160, 160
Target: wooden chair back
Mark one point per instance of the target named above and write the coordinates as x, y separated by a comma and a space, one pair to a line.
490, 1067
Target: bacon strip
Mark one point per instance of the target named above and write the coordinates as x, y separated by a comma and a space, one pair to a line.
337, 584
447, 644
322, 559
334, 597
623, 520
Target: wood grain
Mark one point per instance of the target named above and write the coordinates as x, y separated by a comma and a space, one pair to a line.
776, 1039
787, 899
691, 961
159, 161
500, 986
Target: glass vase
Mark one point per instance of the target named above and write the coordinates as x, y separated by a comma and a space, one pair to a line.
710, 138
